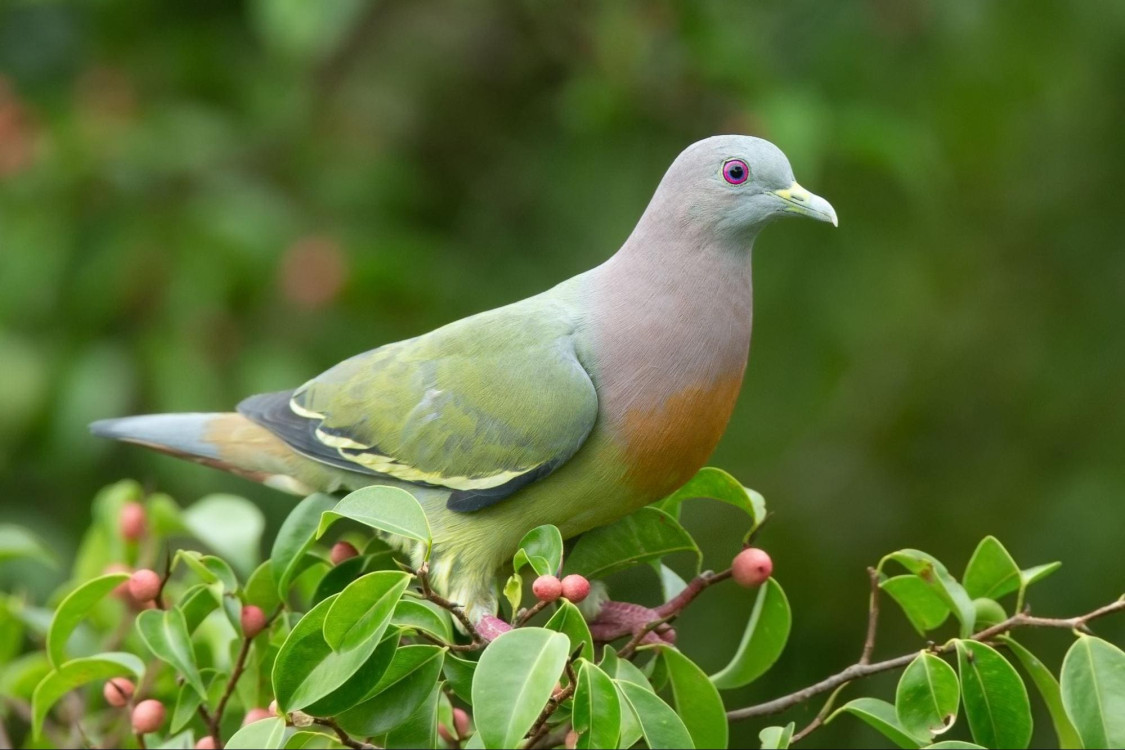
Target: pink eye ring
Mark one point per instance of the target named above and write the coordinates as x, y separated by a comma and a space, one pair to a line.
735, 171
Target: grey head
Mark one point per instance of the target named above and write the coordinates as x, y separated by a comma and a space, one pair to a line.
733, 185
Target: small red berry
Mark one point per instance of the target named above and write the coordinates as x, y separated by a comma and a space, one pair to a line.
751, 567
132, 521
148, 716
461, 723
547, 588
118, 691
342, 551
571, 740
253, 620
575, 588
256, 714
445, 734
144, 585
206, 743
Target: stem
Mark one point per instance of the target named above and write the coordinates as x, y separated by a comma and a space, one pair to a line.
239, 668
540, 728
630, 648
872, 617
343, 736
858, 670
423, 575
527, 614
677, 603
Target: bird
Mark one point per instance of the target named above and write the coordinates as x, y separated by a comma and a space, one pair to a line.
574, 407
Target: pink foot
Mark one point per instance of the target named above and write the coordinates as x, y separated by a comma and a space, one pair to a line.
619, 619
492, 627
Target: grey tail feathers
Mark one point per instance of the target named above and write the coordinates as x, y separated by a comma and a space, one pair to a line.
179, 434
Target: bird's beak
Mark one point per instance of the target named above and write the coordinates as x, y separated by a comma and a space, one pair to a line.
801, 201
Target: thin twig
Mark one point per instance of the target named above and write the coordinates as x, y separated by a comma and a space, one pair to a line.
423, 576
818, 720
343, 736
872, 617
540, 727
858, 671
630, 648
527, 614
236, 673
677, 603
159, 599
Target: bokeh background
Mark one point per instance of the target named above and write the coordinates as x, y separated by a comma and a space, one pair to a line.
203, 200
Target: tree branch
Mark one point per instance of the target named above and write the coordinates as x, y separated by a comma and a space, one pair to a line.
859, 670
423, 576
344, 737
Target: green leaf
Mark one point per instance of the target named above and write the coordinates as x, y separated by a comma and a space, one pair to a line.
307, 669
924, 608
358, 686
261, 590
338, 578
995, 699
647, 534
776, 738
230, 525
881, 716
671, 585
542, 549
935, 575
305, 740
459, 672
76, 673
1093, 691
389, 509
596, 713
762, 642
420, 728
188, 701
927, 696
406, 685
1036, 574
266, 733
661, 727
209, 568
1048, 688
197, 602
165, 633
570, 622
514, 679
991, 572
363, 609
955, 745
697, 700
294, 538
18, 543
716, 484
424, 616
74, 609
513, 591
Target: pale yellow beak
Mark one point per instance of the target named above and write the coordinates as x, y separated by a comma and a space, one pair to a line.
801, 201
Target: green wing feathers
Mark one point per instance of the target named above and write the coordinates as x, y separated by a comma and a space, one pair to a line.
482, 406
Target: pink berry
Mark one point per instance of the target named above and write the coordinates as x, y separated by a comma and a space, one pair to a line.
132, 521
461, 723
547, 588
118, 691
253, 620
571, 740
144, 585
122, 590
445, 734
256, 714
751, 567
342, 551
206, 743
575, 588
148, 716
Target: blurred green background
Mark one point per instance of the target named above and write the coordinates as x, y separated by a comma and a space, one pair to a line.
203, 200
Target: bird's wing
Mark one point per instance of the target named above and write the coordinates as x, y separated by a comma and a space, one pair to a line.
483, 406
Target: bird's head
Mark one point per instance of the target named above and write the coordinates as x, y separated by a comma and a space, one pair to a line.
735, 185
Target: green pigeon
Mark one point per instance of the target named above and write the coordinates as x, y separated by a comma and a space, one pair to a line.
574, 407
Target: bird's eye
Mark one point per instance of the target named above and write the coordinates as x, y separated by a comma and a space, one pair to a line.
735, 171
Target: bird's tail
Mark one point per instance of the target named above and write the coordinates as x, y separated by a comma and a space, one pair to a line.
222, 440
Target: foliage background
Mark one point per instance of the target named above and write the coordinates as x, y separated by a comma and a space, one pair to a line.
201, 201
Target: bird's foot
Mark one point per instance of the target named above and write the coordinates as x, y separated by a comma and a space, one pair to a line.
619, 619
491, 627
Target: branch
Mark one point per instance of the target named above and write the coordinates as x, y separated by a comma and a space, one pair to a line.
343, 736
872, 617
239, 667
423, 576
859, 670
527, 614
540, 728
